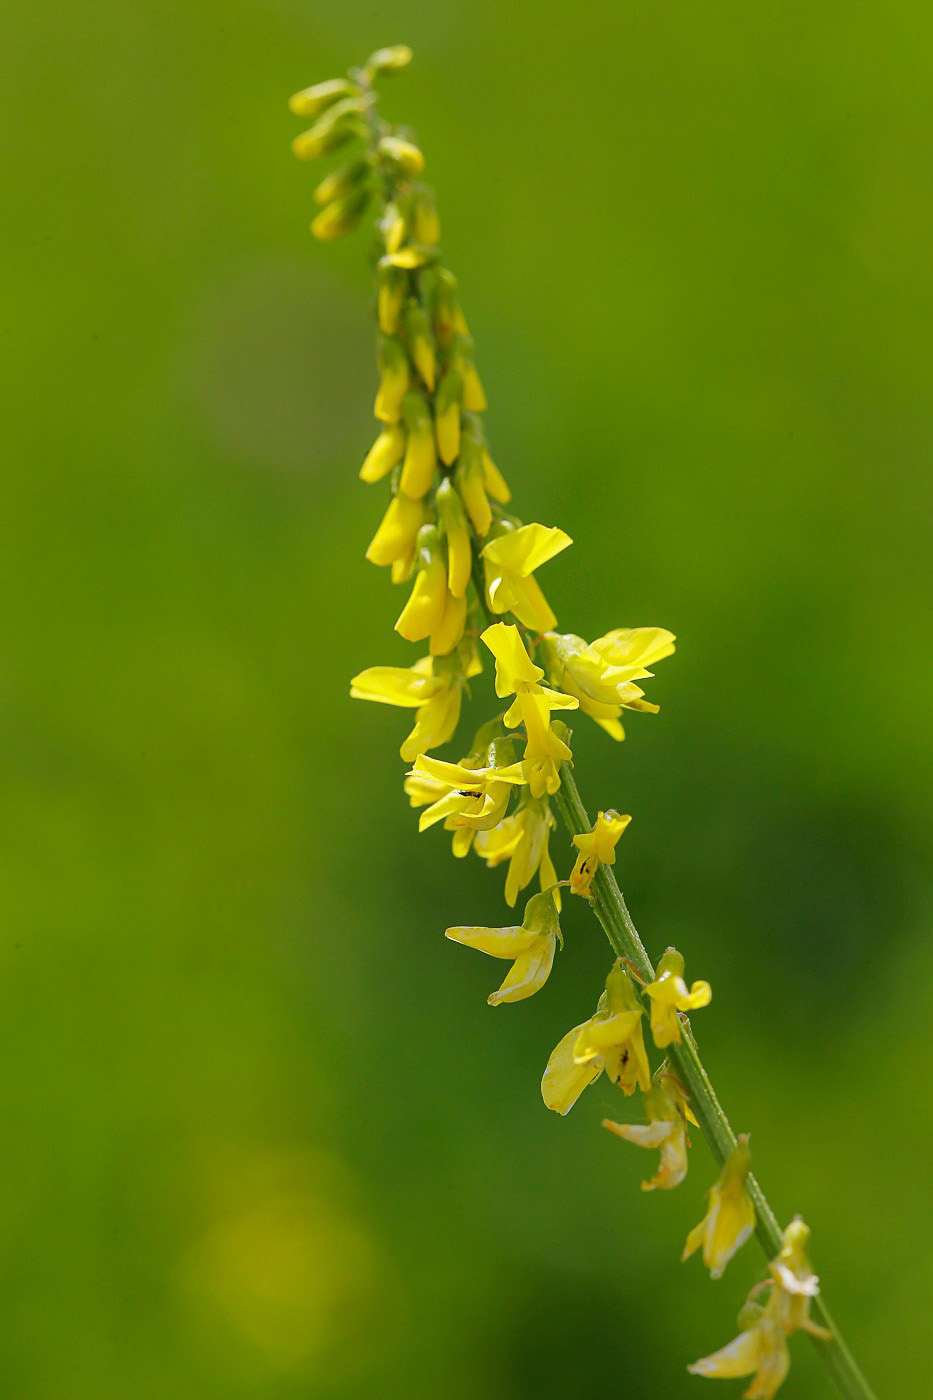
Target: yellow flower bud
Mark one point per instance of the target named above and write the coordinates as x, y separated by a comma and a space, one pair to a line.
426, 226
403, 154
340, 217
457, 532
420, 342
389, 60
420, 462
445, 307
393, 381
392, 228
432, 611
310, 101
385, 453
339, 124
494, 481
447, 415
730, 1217
471, 485
341, 181
395, 539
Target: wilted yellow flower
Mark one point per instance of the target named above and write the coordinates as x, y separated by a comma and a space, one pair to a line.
596, 847
522, 839
610, 1040
530, 946
510, 559
760, 1350
667, 1113
669, 994
796, 1285
432, 686
602, 675
730, 1217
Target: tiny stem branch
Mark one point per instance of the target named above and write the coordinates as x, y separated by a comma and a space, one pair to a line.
612, 912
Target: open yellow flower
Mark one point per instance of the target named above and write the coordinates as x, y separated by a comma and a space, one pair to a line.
760, 1350
510, 559
670, 994
521, 839
610, 1040
730, 1217
667, 1113
602, 675
469, 797
432, 686
516, 674
530, 946
596, 848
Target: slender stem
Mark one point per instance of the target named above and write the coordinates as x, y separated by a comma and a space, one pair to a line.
612, 912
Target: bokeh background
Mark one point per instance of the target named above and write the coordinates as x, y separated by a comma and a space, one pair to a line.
262, 1137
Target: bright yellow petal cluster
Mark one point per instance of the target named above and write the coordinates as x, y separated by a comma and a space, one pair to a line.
530, 946
611, 1040
510, 560
669, 995
432, 688
472, 798
602, 675
516, 674
668, 1115
730, 1217
596, 847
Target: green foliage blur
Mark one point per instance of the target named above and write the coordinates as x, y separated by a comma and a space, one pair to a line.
262, 1137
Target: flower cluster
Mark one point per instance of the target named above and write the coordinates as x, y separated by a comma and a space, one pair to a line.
470, 566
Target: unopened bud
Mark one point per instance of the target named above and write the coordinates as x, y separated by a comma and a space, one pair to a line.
390, 297
394, 379
338, 125
447, 415
340, 217
385, 453
341, 181
459, 548
420, 342
310, 101
390, 60
426, 226
420, 462
404, 154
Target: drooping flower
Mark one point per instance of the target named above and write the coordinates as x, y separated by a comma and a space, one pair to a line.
730, 1216
670, 994
610, 1040
433, 687
510, 559
522, 839
602, 675
530, 946
432, 611
596, 848
516, 674
476, 798
667, 1113
796, 1285
760, 1350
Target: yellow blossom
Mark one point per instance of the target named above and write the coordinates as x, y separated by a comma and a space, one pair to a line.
447, 404
530, 946
420, 343
760, 1350
516, 673
469, 797
433, 687
610, 1040
521, 839
393, 380
386, 452
730, 1217
510, 560
669, 994
457, 534
602, 675
545, 750
395, 540
390, 297
420, 462
596, 847
432, 610
667, 1113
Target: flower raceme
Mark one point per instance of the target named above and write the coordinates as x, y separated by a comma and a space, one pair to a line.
669, 995
530, 946
445, 529
611, 1040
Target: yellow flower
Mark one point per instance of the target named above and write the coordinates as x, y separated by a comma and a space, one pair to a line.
669, 994
432, 610
433, 687
516, 674
760, 1350
469, 797
395, 540
530, 946
447, 416
510, 560
730, 1217
795, 1282
420, 462
420, 343
667, 1113
545, 750
386, 452
596, 847
602, 675
611, 1040
521, 839
393, 380
457, 534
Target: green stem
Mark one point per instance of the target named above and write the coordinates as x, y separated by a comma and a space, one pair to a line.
612, 912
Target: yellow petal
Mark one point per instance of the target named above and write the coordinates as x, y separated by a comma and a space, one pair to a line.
497, 942
528, 973
564, 1080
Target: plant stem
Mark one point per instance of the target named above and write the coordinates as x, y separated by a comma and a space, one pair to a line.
612, 912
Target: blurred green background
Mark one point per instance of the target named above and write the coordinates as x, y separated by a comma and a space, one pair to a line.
262, 1137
